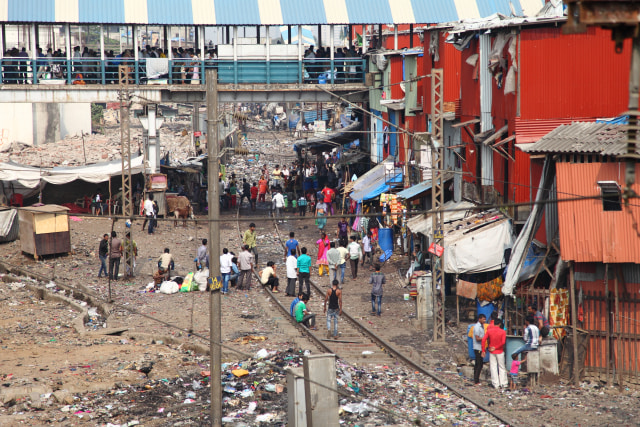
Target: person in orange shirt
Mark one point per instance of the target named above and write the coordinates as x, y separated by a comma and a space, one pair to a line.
263, 188
494, 340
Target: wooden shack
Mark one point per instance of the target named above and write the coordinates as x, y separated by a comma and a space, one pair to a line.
44, 230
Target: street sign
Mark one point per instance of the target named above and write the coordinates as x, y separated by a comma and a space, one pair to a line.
197, 133
438, 234
436, 249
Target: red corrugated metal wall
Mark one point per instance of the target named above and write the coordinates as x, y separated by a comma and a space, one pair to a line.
450, 62
396, 77
587, 232
595, 321
403, 39
577, 75
469, 88
471, 153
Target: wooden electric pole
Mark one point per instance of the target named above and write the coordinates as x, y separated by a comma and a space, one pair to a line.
214, 248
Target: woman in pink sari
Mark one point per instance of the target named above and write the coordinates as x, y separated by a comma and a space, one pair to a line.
323, 247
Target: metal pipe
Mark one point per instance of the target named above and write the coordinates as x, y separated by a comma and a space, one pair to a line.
395, 37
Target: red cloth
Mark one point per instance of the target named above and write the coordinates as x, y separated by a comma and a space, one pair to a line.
254, 192
496, 337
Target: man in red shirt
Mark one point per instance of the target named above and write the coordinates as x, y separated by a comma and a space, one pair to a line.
328, 194
254, 196
494, 340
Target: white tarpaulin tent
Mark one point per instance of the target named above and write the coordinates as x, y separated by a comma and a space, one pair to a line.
28, 177
475, 251
453, 211
100, 172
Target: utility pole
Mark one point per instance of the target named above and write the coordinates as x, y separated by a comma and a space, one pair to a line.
125, 154
437, 201
215, 319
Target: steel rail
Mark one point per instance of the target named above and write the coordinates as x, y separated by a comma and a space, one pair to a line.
393, 351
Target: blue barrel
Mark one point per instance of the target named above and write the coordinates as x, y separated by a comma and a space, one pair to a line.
322, 79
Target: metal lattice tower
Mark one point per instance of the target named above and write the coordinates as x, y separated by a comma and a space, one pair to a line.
125, 153
437, 201
125, 141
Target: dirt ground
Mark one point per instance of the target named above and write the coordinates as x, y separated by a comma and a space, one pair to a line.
58, 369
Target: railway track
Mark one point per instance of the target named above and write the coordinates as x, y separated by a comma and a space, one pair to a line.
355, 338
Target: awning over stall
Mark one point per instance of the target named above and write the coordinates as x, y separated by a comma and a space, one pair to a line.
423, 223
380, 187
421, 188
28, 177
371, 175
477, 249
100, 172
416, 190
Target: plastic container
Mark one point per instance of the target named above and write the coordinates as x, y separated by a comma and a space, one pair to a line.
322, 79
385, 239
486, 310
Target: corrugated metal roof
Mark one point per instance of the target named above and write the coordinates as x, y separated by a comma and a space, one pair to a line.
588, 233
532, 130
416, 190
434, 11
103, 11
256, 12
583, 138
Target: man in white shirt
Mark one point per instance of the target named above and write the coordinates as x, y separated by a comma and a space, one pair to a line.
344, 255
225, 269
278, 201
292, 264
366, 246
148, 213
478, 334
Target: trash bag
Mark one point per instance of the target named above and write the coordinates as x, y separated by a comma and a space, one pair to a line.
201, 279
189, 284
169, 287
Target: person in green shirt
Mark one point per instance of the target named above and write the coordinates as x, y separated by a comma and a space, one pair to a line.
233, 190
303, 315
249, 239
303, 267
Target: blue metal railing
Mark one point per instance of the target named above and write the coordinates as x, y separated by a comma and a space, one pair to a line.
81, 71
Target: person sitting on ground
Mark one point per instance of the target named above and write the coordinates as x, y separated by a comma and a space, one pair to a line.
295, 302
235, 271
305, 316
268, 277
165, 261
160, 276
531, 335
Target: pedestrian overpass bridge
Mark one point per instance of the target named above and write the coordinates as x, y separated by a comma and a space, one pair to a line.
251, 80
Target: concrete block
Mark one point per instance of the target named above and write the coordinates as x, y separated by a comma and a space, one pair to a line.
321, 402
296, 410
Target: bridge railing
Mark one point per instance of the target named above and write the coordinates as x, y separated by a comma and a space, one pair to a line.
82, 71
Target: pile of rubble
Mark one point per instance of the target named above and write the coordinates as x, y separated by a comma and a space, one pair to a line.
175, 139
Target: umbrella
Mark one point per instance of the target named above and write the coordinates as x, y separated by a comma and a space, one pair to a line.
307, 35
